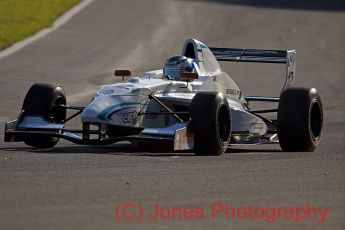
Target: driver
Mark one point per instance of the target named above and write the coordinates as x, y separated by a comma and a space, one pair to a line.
175, 65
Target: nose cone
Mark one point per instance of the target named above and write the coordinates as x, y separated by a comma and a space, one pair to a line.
89, 114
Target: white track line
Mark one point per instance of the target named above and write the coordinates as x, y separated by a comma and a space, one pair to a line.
57, 23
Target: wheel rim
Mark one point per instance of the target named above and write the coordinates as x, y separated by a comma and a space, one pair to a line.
224, 124
57, 113
315, 120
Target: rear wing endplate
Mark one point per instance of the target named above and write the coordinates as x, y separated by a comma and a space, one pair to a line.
287, 57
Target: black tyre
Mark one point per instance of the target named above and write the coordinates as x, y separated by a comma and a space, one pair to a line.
211, 123
300, 119
42, 100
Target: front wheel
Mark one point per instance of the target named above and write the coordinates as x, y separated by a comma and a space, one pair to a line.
44, 100
300, 119
211, 123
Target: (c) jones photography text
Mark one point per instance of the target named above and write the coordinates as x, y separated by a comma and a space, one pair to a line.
131, 211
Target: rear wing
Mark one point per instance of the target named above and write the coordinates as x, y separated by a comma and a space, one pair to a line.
287, 57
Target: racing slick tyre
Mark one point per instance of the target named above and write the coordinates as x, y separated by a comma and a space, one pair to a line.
211, 123
300, 118
42, 100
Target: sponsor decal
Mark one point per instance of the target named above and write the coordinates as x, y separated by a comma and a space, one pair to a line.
234, 92
130, 117
108, 112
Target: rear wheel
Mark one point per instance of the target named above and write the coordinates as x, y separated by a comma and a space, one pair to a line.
300, 119
43, 100
211, 123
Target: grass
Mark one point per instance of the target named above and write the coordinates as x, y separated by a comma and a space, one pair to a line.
22, 18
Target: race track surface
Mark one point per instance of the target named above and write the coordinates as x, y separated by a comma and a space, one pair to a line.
80, 187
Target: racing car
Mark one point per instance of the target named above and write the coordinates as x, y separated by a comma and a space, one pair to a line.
190, 104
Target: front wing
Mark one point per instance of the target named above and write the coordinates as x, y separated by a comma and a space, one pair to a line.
17, 130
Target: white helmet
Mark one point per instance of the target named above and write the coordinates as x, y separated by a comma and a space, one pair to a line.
175, 65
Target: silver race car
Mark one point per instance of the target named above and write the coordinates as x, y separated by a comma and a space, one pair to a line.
190, 104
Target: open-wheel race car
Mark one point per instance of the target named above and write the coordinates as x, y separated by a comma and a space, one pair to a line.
190, 103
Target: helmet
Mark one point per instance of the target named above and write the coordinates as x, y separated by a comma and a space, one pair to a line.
175, 65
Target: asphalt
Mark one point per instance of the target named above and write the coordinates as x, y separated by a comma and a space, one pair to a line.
80, 187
